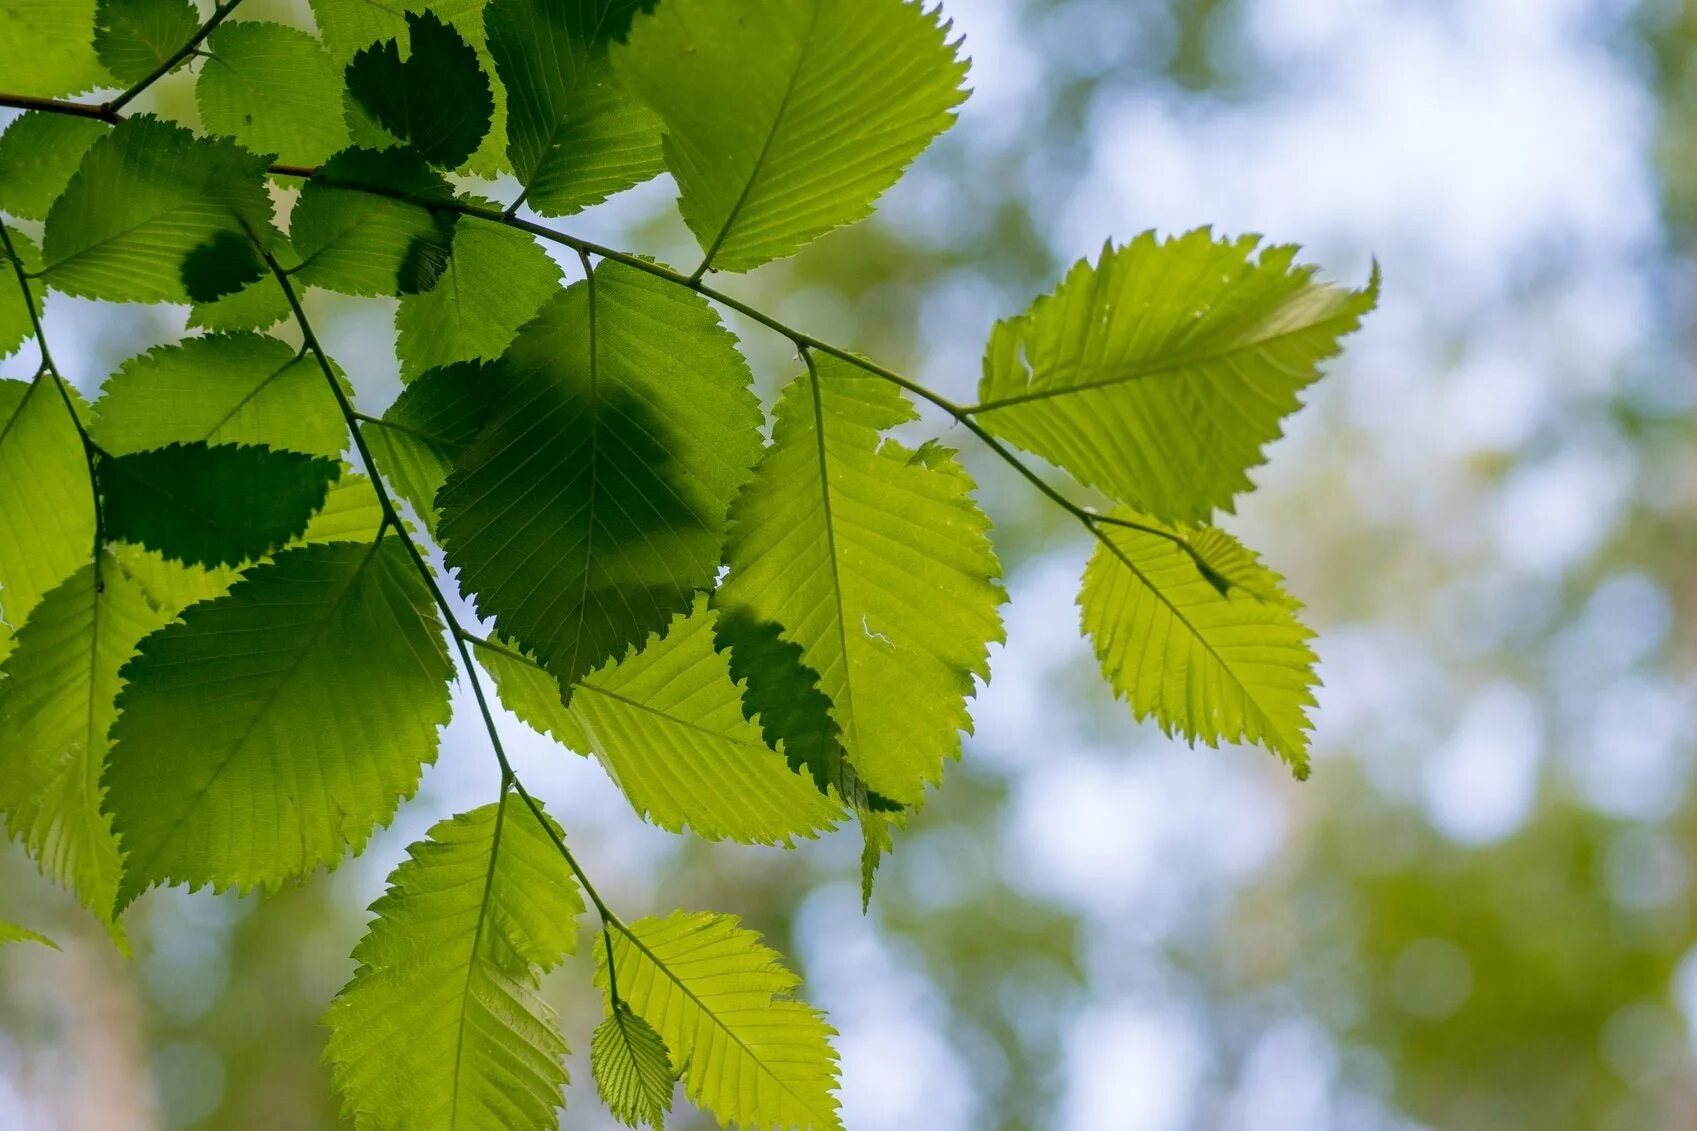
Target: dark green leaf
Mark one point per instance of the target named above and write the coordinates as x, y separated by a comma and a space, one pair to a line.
222, 266
432, 423
437, 99
365, 242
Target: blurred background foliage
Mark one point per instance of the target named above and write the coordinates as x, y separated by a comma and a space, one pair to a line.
1478, 914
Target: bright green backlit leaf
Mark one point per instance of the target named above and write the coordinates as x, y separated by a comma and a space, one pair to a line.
437, 99
593, 506
317, 683
39, 152
213, 506
575, 138
275, 90
721, 999
16, 325
668, 724
632, 1069
47, 47
874, 559
12, 933
1158, 373
788, 118
146, 195
442, 1027
495, 280
220, 389
366, 243
47, 523
528, 691
56, 703
1232, 667
136, 37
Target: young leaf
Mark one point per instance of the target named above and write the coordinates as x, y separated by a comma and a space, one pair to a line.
47, 47
632, 1069
720, 998
274, 89
47, 522
430, 425
1157, 374
495, 280
220, 389
12, 933
437, 99
575, 137
668, 724
593, 506
1215, 667
876, 562
367, 243
442, 1028
788, 118
213, 506
146, 195
317, 684
135, 37
16, 325
39, 152
56, 703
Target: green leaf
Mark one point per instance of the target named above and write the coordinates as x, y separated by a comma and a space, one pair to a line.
47, 47
56, 703
495, 280
1157, 374
12, 933
874, 559
442, 1027
39, 152
317, 683
274, 89
146, 195
1215, 667
222, 266
438, 98
430, 425
16, 325
788, 118
213, 506
593, 506
363, 243
720, 998
47, 524
528, 691
220, 389
348, 26
668, 724
632, 1069
575, 138
136, 37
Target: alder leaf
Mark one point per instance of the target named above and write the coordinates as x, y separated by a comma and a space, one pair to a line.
632, 1069
135, 37
442, 1027
720, 998
317, 683
495, 280
788, 118
367, 242
213, 506
47, 524
668, 724
274, 89
39, 153
1215, 667
146, 195
219, 389
437, 99
1157, 374
593, 506
575, 137
47, 47
874, 559
56, 703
